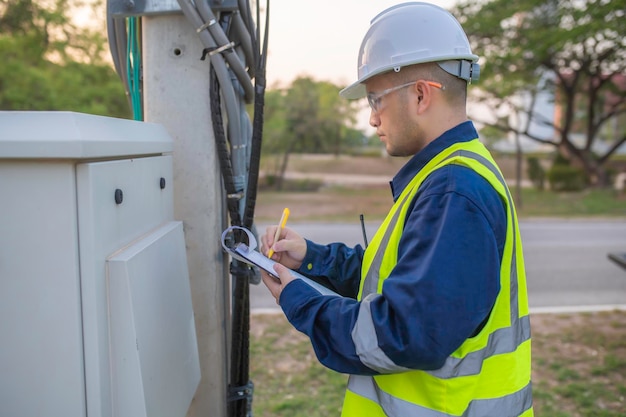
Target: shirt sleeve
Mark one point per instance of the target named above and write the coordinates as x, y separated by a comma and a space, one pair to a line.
442, 288
335, 266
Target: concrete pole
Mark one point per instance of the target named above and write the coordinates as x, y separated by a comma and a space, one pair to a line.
176, 95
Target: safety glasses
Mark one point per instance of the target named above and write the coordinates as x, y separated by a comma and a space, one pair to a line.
375, 99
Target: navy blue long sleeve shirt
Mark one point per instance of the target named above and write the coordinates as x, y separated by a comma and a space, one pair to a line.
442, 288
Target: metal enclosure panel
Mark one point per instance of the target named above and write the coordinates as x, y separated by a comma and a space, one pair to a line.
155, 368
67, 135
104, 228
41, 359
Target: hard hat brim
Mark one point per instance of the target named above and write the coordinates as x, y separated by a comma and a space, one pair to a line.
354, 91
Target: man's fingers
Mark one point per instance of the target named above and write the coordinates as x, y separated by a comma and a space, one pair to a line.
272, 284
283, 274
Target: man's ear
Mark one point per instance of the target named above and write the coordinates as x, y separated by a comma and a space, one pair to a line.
424, 93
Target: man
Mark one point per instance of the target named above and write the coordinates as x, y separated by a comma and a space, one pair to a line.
432, 318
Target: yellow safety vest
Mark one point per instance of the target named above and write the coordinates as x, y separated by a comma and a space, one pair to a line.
489, 374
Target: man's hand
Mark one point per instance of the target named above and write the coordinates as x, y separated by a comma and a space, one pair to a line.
276, 285
289, 250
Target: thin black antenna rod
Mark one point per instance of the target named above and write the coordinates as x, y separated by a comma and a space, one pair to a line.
363, 229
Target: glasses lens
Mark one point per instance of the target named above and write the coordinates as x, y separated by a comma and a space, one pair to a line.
373, 101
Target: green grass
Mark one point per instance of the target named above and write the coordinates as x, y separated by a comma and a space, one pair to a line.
588, 203
579, 364
289, 381
340, 204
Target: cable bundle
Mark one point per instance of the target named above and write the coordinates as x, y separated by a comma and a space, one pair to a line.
231, 43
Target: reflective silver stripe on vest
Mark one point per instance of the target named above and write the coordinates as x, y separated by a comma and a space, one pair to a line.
517, 402
504, 340
366, 342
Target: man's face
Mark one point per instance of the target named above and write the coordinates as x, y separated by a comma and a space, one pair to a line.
392, 116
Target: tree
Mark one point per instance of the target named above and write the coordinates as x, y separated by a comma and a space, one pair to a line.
50, 63
573, 52
275, 139
309, 116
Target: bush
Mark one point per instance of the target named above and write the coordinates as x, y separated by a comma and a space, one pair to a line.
566, 178
536, 173
270, 181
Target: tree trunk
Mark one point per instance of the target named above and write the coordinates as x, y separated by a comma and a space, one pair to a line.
283, 169
594, 170
518, 171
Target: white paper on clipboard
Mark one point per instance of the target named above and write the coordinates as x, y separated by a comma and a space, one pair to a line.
249, 254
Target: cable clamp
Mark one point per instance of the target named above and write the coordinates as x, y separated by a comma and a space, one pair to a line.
213, 51
206, 25
222, 48
241, 393
235, 196
243, 270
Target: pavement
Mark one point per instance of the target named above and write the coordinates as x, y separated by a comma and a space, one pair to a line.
355, 179
567, 263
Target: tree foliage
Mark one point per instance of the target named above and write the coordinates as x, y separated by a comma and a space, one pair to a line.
50, 63
571, 51
308, 116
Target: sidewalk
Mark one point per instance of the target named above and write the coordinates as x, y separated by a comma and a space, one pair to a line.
339, 179
360, 179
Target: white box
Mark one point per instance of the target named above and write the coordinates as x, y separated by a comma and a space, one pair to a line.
59, 223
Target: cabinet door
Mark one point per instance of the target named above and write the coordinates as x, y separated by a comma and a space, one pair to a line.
118, 203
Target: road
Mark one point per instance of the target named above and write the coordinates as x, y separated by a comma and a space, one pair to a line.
566, 261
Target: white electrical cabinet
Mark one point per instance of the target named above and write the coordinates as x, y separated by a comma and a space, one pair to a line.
95, 306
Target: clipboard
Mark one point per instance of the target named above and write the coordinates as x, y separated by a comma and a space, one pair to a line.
248, 254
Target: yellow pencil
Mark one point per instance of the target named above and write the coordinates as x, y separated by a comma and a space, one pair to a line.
281, 226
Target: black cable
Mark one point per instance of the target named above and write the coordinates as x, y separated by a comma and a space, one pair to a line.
240, 351
257, 128
241, 309
241, 405
240, 388
237, 404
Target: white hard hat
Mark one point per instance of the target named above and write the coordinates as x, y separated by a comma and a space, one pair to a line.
413, 33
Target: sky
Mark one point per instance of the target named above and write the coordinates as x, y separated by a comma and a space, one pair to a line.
321, 39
